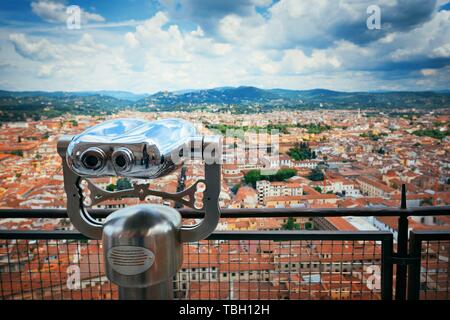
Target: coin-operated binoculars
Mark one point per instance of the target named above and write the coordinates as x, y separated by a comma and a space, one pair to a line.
142, 244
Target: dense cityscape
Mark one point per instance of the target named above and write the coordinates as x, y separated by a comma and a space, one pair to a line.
321, 159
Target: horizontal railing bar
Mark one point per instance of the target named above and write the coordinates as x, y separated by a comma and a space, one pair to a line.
41, 235
300, 235
424, 235
249, 213
282, 235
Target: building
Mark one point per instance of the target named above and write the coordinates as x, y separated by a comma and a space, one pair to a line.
272, 189
232, 175
374, 188
296, 201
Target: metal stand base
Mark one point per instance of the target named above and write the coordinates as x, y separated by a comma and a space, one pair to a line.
160, 291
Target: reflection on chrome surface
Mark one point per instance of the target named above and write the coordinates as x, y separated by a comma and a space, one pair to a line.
134, 148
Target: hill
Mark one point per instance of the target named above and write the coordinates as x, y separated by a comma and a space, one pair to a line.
16, 106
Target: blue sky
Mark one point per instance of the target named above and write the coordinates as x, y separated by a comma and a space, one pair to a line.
151, 45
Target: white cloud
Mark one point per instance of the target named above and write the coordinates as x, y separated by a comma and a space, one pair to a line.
130, 38
320, 23
39, 49
442, 51
279, 50
428, 72
171, 44
431, 40
51, 11
296, 61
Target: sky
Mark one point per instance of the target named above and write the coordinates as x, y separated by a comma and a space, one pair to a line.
146, 46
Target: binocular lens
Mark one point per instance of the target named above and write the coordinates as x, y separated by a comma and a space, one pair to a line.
93, 158
91, 161
122, 159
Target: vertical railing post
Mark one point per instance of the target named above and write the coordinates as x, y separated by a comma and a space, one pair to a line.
386, 268
415, 247
402, 249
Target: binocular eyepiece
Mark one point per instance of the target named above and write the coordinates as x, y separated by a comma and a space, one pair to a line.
122, 159
138, 148
93, 159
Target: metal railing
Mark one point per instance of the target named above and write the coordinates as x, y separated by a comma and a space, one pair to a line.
228, 265
245, 264
429, 272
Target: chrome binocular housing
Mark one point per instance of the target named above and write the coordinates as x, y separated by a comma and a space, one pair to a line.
138, 148
143, 149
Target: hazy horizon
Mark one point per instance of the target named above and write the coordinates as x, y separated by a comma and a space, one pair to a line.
216, 88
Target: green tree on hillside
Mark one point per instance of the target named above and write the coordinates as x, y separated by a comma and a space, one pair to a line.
302, 151
316, 175
252, 177
284, 174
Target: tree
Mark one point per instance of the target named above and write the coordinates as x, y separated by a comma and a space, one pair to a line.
433, 133
318, 189
315, 128
426, 202
111, 187
372, 136
123, 184
281, 175
17, 153
252, 177
284, 174
290, 224
316, 175
302, 151
235, 188
308, 225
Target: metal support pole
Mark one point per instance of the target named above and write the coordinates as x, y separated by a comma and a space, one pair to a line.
386, 269
415, 245
402, 250
142, 251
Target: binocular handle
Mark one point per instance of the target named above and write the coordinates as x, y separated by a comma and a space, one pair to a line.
210, 207
78, 216
93, 228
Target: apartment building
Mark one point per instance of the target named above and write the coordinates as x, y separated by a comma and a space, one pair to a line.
296, 201
275, 189
343, 186
374, 188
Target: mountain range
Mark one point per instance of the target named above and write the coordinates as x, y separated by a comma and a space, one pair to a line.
243, 99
